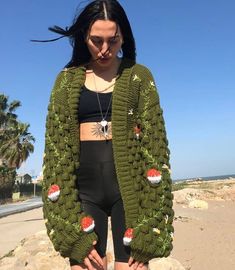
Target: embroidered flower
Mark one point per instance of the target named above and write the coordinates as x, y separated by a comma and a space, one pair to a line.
87, 224
152, 83
154, 176
156, 230
136, 78
128, 236
54, 193
166, 219
51, 232
130, 112
165, 167
137, 130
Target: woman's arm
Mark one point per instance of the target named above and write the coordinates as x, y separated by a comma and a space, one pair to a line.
151, 235
69, 229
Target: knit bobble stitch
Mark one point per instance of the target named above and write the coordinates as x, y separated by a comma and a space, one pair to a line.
137, 130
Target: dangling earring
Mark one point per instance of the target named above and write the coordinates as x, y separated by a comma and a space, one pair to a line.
120, 53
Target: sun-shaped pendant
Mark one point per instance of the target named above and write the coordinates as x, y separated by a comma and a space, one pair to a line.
102, 129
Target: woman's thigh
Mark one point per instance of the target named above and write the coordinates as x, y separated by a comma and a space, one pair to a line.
121, 252
101, 225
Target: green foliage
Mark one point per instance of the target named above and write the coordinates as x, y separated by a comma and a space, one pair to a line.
179, 185
7, 115
16, 143
28, 189
7, 180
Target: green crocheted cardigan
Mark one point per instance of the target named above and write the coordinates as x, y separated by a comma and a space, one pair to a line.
141, 158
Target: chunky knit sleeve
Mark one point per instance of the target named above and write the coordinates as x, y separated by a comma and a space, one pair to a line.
69, 229
152, 234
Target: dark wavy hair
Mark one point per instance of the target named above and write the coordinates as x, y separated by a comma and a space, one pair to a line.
77, 32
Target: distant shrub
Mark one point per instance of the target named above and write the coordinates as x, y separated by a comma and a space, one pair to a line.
179, 185
7, 180
28, 189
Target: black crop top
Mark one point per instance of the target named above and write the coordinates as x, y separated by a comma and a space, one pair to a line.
89, 110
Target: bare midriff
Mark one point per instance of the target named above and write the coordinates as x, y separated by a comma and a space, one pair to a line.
91, 131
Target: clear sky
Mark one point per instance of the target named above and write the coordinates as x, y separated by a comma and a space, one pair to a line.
189, 47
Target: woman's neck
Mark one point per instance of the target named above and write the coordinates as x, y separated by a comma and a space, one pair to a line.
100, 79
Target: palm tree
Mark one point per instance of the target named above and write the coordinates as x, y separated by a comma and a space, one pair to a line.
15, 140
17, 145
7, 115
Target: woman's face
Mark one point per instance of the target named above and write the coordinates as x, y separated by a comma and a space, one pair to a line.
104, 41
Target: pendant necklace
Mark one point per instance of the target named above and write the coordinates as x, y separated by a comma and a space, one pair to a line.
102, 128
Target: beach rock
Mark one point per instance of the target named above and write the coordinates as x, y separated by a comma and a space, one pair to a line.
200, 204
165, 264
37, 253
227, 193
217, 190
186, 195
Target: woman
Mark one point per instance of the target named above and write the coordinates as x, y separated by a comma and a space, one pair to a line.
106, 150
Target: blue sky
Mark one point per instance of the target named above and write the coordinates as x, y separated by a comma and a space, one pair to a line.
189, 47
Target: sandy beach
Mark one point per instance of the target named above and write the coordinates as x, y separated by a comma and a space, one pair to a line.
205, 239
204, 236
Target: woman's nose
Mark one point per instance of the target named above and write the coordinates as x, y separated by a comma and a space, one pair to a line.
105, 49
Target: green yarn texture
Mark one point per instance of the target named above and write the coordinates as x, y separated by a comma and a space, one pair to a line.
148, 206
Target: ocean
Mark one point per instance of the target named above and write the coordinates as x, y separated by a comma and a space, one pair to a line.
217, 177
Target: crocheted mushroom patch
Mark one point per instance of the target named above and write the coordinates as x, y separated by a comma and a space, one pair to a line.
54, 193
87, 224
128, 236
154, 176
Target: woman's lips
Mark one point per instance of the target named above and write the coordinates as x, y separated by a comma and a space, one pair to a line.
104, 59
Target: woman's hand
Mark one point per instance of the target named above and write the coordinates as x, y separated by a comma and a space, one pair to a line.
93, 257
134, 264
